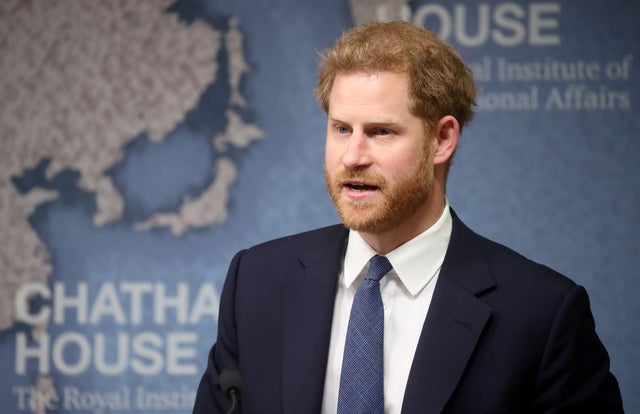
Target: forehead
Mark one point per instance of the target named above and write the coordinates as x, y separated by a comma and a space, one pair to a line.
380, 79
362, 93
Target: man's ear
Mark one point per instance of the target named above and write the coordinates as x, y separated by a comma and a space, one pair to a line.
447, 133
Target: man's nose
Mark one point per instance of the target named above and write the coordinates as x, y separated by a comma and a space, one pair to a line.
356, 153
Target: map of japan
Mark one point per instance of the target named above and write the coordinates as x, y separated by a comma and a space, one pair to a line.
80, 80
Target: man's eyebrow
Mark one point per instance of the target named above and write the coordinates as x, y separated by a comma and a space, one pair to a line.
373, 122
384, 123
392, 125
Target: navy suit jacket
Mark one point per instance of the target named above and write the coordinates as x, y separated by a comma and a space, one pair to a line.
502, 335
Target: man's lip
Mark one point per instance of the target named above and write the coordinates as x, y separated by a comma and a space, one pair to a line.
359, 190
359, 184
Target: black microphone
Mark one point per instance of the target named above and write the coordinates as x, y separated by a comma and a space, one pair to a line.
231, 384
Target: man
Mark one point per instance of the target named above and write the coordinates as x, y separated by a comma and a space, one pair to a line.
454, 323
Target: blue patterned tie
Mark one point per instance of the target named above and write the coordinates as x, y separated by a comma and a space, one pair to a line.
362, 377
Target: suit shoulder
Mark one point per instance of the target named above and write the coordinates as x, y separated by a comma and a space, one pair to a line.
312, 239
507, 265
506, 261
287, 255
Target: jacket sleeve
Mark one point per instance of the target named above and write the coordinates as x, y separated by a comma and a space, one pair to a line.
210, 398
574, 374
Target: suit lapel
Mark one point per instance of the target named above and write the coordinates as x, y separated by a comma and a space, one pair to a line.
453, 324
307, 316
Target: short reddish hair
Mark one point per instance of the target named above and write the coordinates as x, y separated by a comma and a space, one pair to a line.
440, 82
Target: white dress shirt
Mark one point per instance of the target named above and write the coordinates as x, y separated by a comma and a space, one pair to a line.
406, 294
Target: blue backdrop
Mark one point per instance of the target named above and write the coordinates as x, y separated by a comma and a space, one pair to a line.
144, 143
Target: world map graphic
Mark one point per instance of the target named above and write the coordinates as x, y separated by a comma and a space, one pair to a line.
82, 80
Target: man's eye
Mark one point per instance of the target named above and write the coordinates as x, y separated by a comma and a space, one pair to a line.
383, 131
342, 129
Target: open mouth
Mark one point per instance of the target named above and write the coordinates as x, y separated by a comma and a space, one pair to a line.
360, 187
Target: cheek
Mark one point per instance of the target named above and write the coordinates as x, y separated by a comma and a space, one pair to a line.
399, 165
332, 153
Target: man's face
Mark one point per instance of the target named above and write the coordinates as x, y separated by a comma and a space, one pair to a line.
379, 158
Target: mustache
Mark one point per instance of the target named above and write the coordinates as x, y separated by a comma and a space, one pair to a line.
361, 176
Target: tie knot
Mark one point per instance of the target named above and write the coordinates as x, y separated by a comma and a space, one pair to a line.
378, 267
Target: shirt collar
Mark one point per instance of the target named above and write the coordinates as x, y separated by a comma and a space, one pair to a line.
415, 262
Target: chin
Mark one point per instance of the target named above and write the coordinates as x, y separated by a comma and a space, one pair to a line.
356, 220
